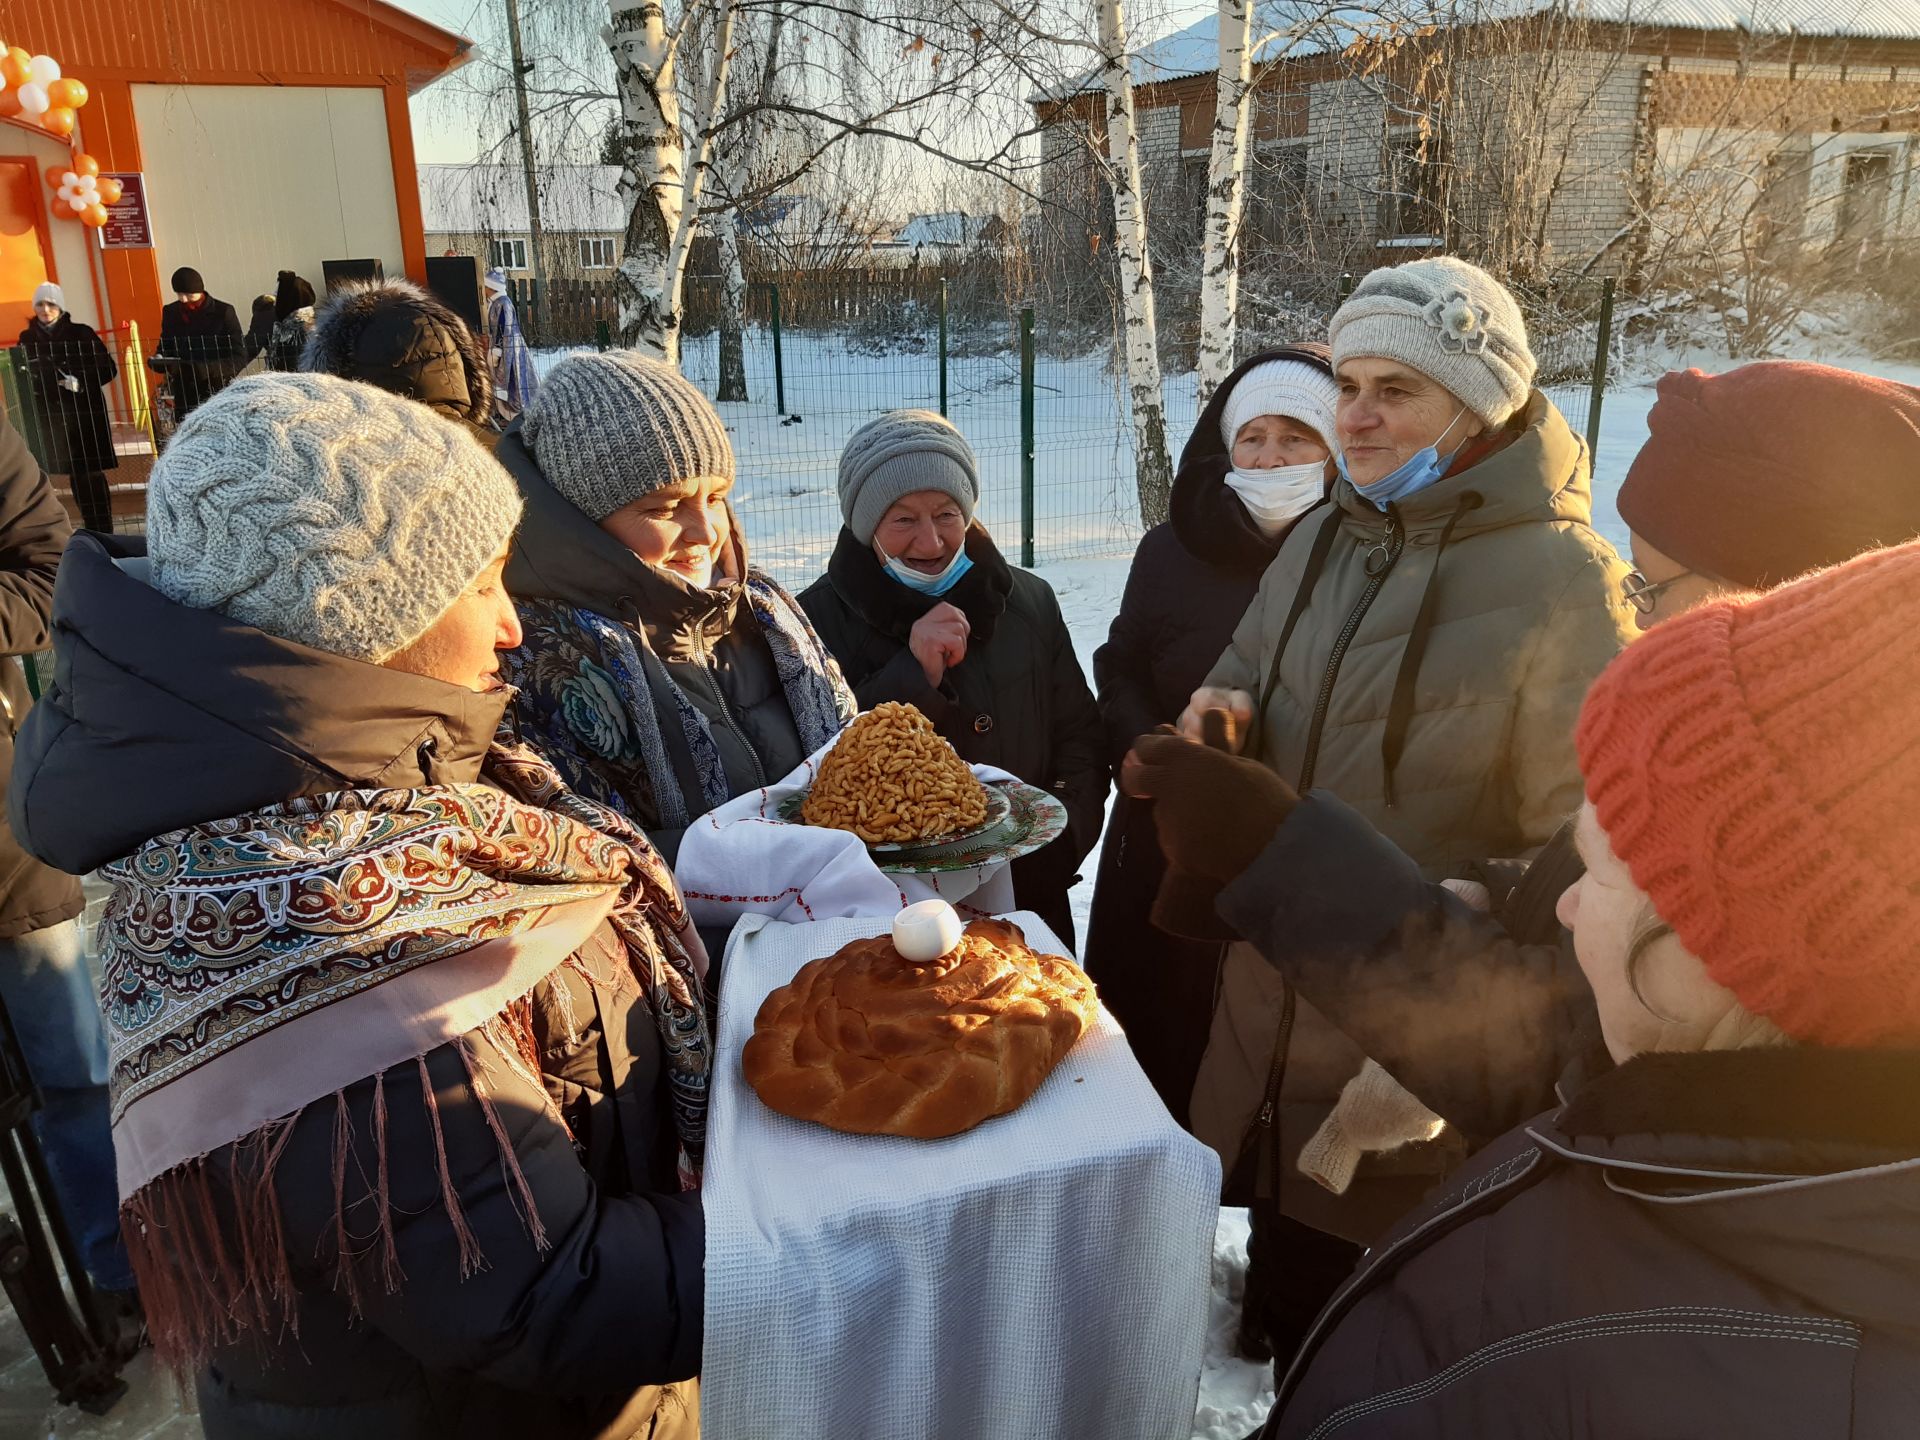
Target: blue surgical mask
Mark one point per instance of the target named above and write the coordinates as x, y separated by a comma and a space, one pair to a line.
1416, 473
931, 584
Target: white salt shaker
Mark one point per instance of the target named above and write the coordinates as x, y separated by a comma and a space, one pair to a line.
926, 930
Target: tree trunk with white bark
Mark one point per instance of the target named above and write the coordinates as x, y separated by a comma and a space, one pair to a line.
664, 161
733, 311
1140, 332
1226, 169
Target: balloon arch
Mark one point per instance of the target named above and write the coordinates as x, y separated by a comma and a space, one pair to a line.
34, 92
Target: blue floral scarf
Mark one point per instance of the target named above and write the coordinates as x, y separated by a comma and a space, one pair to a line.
587, 688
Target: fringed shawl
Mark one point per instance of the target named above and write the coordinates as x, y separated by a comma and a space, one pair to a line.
256, 965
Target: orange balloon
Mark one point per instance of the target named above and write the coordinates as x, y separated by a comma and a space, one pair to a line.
15, 66
9, 103
85, 164
94, 215
70, 93
110, 191
59, 121
56, 175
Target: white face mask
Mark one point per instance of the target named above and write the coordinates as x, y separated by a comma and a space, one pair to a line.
1276, 498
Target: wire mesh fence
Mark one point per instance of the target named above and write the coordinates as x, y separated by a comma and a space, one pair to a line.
1035, 385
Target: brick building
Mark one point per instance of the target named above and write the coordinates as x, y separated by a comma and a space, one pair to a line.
1545, 138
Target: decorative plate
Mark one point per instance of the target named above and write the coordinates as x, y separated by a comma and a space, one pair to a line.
998, 809
1035, 818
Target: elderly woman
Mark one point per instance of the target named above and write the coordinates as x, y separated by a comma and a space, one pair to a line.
1258, 460
379, 1174
919, 605
1710, 1230
661, 673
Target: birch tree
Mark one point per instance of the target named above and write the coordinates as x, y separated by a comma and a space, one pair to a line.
1140, 336
1226, 171
666, 157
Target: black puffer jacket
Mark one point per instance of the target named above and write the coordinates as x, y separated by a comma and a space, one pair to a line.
162, 716
1706, 1244
393, 334
33, 532
1019, 700
201, 349
707, 642
1191, 581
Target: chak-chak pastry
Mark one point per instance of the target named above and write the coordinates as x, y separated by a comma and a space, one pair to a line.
891, 777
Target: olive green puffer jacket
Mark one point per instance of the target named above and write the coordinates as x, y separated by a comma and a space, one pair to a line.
1431, 672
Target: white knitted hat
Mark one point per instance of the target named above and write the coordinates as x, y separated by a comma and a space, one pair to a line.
324, 511
1451, 321
47, 290
1282, 387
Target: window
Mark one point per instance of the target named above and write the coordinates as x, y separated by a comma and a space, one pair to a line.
509, 254
1410, 190
1866, 188
1279, 197
596, 252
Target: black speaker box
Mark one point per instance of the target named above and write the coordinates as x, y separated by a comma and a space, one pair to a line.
456, 279
338, 271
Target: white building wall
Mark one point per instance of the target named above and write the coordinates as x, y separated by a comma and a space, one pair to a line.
246, 180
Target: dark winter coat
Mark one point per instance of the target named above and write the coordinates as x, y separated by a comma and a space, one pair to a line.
1190, 582
203, 349
707, 642
260, 327
292, 322
1019, 700
74, 431
1706, 1244
569, 1342
33, 532
395, 335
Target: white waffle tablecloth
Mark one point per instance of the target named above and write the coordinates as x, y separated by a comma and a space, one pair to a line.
1045, 1274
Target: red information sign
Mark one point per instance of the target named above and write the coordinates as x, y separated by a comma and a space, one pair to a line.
128, 226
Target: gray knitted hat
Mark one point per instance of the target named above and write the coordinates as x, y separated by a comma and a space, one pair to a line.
1451, 321
899, 454
324, 511
607, 428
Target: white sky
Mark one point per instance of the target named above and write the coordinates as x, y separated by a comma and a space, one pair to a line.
442, 136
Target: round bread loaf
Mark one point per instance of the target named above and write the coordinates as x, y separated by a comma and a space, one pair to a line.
867, 1042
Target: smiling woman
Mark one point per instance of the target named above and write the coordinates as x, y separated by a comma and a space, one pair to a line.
659, 670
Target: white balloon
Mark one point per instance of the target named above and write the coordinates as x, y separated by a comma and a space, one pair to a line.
43, 70
33, 99
68, 179
77, 204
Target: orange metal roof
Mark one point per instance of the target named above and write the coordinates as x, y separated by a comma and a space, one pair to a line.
234, 41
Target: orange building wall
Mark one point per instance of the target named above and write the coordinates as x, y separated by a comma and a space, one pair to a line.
114, 44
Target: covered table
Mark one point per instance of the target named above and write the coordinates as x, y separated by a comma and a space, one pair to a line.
1044, 1274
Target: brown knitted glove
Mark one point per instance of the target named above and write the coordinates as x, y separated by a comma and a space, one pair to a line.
1215, 813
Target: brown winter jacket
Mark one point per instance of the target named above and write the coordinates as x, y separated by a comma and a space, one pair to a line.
33, 532
1469, 707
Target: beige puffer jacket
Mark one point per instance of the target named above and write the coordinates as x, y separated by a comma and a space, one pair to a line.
1475, 760
1524, 609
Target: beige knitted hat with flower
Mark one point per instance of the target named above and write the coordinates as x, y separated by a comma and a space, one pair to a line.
1452, 322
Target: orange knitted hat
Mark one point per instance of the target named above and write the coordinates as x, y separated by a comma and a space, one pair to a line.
1756, 765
